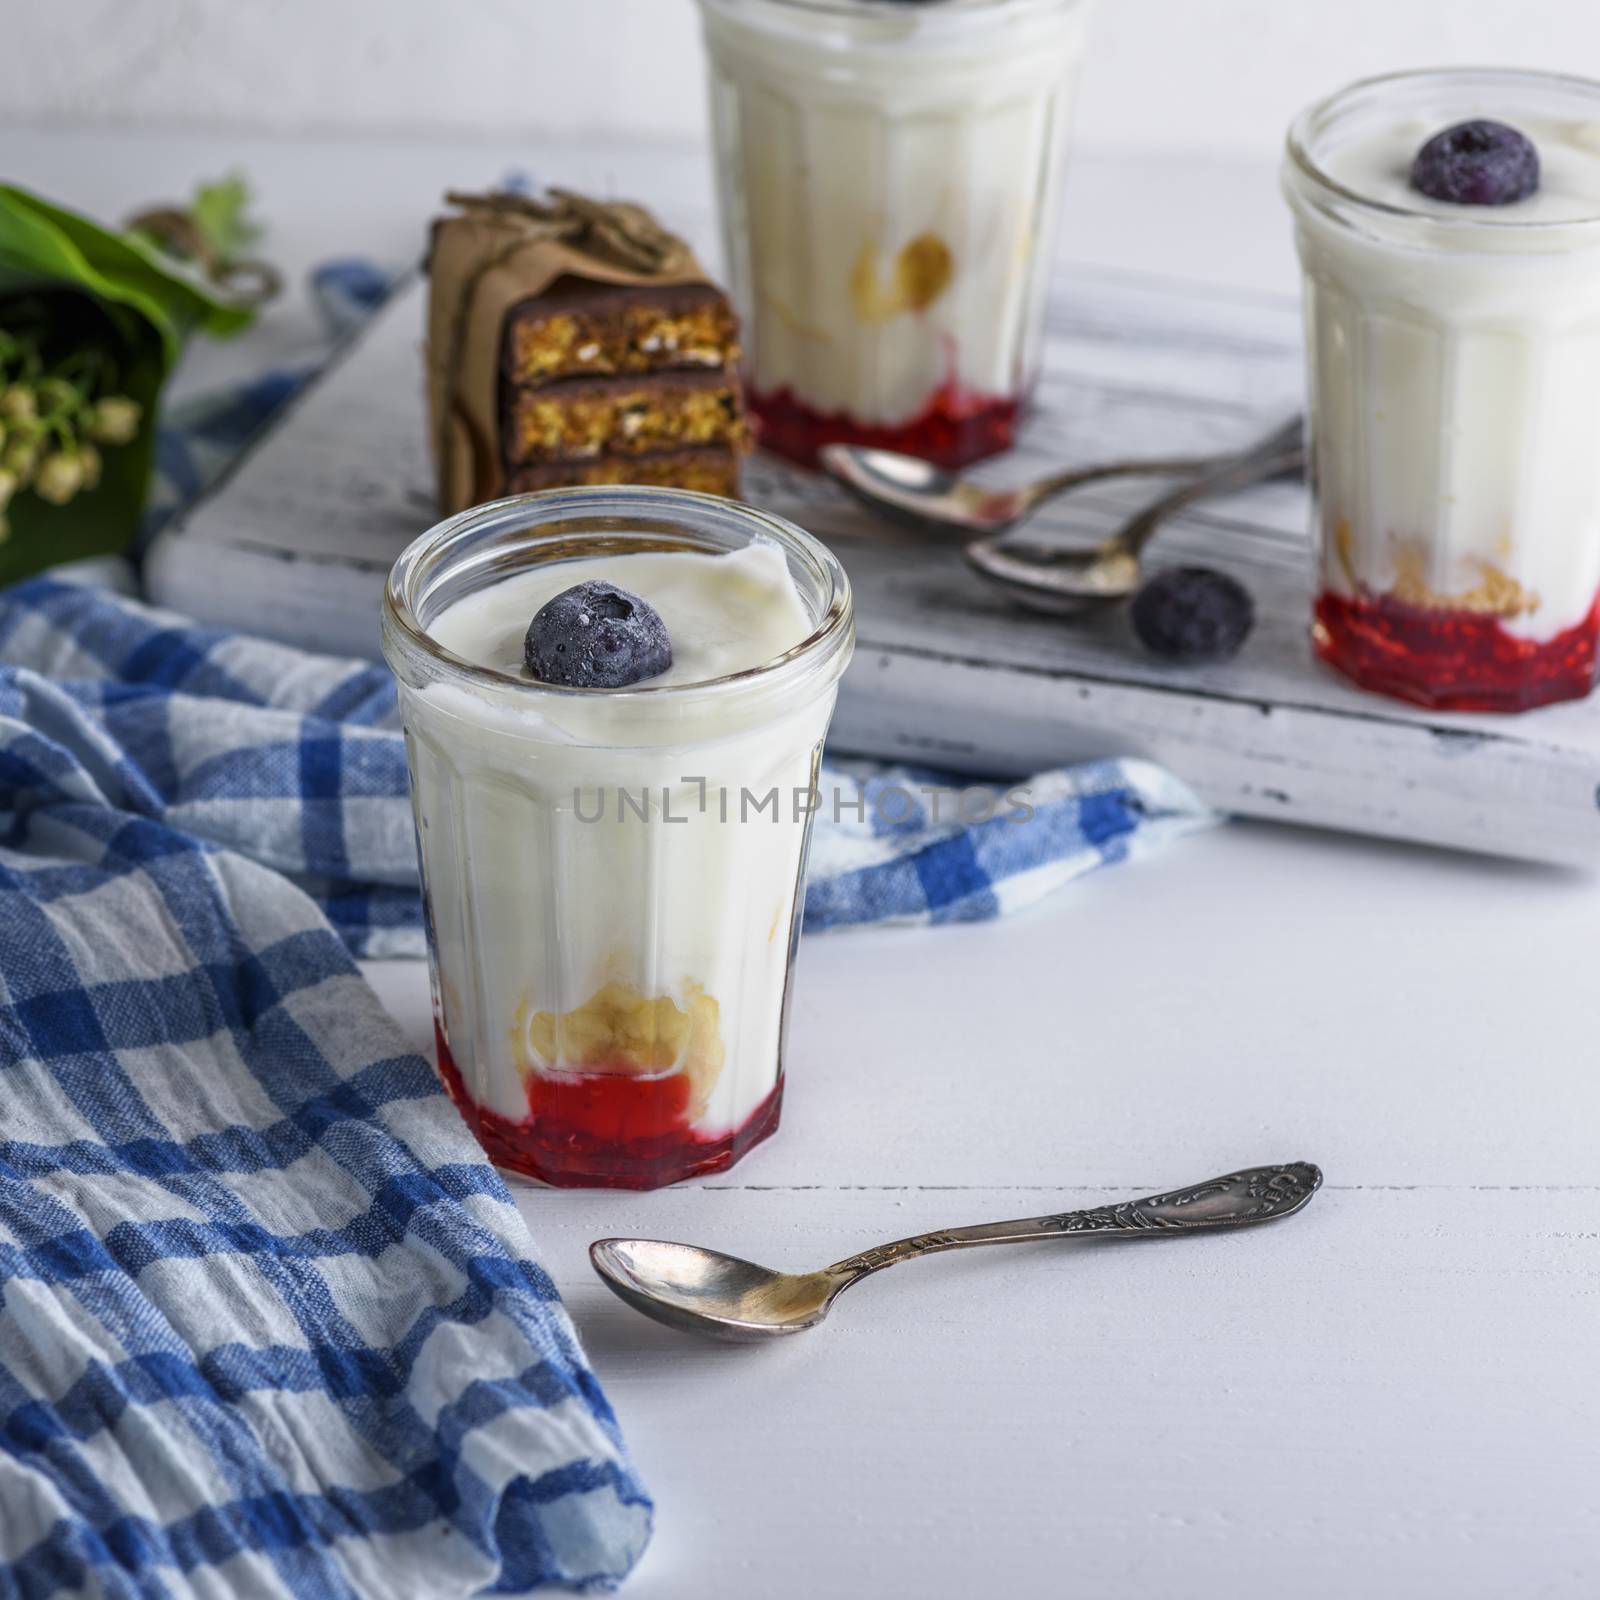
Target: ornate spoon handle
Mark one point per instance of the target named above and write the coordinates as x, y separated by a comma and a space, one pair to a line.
1272, 457
1258, 1194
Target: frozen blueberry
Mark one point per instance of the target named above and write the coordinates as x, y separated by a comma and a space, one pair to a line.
1478, 163
597, 636
1191, 614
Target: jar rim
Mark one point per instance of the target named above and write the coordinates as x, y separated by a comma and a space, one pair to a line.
942, 13
549, 510
908, 7
1483, 220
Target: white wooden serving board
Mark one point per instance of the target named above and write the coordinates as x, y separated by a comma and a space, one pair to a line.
296, 542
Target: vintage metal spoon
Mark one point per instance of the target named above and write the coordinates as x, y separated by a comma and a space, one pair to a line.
1069, 580
926, 499
704, 1291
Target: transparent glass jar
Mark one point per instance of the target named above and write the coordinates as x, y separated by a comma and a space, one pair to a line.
613, 897
888, 177
1454, 367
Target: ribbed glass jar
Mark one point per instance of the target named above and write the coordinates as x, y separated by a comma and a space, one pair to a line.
888, 177
613, 897
1454, 363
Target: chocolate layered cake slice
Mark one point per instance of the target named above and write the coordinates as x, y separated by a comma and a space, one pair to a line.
594, 330
576, 341
622, 383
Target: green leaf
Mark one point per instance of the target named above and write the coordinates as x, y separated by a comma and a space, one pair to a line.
43, 245
219, 211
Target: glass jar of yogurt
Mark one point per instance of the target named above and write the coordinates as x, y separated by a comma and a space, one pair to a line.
613, 877
1454, 356
888, 175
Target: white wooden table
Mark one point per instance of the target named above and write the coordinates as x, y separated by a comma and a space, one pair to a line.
1393, 1395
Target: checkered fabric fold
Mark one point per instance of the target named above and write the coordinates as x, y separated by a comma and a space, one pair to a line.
906, 845
269, 1325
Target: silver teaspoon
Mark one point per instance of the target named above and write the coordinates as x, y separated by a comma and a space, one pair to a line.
1067, 581
926, 499
704, 1291
916, 495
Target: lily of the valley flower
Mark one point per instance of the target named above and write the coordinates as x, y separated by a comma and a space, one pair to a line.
115, 420
59, 477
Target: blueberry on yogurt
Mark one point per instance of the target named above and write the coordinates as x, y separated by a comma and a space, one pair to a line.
1478, 163
596, 636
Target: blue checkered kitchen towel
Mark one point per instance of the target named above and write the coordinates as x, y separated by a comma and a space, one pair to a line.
269, 1326
268, 1323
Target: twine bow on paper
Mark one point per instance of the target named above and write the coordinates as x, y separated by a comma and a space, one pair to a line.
615, 231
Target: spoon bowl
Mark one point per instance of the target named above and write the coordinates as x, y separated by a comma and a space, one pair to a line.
705, 1291
1061, 582
922, 498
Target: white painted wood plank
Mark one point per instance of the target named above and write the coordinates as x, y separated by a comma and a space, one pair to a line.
1384, 1396
1292, 763
1349, 1404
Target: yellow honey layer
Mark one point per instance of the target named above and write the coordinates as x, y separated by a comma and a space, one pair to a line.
1496, 594
918, 275
620, 1030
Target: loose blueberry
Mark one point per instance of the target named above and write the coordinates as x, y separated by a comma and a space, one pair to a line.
597, 636
1478, 163
1192, 614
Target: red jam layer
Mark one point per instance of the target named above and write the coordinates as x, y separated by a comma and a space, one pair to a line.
1453, 660
605, 1130
955, 426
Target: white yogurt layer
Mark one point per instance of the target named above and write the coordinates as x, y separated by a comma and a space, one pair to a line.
723, 613
1455, 374
602, 897
889, 176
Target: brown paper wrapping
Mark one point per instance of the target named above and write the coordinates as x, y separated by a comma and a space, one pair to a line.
497, 250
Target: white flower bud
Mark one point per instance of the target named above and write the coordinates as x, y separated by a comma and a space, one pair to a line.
60, 476
19, 402
115, 419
